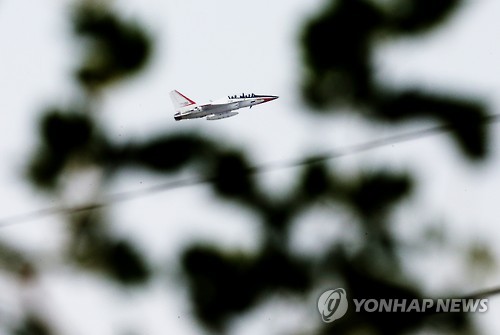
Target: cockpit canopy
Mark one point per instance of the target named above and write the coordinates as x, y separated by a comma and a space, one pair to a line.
242, 96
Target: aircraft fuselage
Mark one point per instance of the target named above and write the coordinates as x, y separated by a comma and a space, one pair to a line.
218, 109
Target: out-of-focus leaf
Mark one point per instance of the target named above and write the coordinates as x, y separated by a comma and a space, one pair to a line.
363, 285
339, 46
275, 269
65, 132
118, 47
92, 247
45, 168
168, 153
15, 262
415, 16
223, 285
277, 215
466, 118
62, 134
231, 176
125, 264
375, 193
337, 52
315, 181
33, 325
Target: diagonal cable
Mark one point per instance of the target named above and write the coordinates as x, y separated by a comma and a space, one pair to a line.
271, 166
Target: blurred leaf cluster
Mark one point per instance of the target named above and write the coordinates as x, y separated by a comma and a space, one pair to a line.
338, 49
117, 48
338, 44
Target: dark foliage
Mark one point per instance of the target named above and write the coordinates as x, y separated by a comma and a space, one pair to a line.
33, 325
363, 285
118, 48
94, 248
125, 264
338, 49
374, 194
70, 139
223, 285
62, 134
168, 153
414, 16
220, 284
232, 176
466, 118
315, 182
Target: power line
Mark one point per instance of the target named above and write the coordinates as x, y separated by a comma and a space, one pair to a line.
163, 187
108, 201
486, 293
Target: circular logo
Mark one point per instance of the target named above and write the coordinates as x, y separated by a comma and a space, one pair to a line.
332, 305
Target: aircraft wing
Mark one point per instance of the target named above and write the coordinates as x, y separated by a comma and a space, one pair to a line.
218, 105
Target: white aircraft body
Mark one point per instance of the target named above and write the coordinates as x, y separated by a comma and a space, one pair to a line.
215, 110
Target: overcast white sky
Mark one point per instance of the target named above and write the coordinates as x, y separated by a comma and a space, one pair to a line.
212, 49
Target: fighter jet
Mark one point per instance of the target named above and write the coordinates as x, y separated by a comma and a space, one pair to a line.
214, 110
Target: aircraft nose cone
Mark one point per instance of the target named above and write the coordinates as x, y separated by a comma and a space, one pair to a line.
271, 98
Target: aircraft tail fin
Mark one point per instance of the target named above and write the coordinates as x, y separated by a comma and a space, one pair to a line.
180, 100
